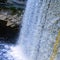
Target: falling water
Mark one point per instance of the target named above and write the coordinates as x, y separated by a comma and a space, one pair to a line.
39, 28
41, 23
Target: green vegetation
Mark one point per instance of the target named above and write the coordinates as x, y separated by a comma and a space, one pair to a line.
16, 10
13, 9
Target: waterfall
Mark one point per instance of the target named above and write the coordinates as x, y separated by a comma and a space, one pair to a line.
39, 28
38, 35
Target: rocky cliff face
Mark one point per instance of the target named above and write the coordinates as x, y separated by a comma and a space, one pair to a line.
10, 23
11, 18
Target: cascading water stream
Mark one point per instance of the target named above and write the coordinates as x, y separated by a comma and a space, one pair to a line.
41, 23
39, 29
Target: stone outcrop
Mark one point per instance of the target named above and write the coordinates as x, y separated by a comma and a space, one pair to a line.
12, 20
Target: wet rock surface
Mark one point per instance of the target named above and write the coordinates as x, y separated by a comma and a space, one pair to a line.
10, 24
12, 19
8, 34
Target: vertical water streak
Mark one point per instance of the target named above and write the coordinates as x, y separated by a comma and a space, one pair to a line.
39, 29
32, 26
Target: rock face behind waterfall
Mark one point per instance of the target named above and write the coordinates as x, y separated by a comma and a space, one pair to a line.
40, 26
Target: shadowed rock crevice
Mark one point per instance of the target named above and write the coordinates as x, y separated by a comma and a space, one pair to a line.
8, 34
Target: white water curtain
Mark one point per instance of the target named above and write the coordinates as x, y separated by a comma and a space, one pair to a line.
40, 26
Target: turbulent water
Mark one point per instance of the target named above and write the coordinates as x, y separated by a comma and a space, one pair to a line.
41, 23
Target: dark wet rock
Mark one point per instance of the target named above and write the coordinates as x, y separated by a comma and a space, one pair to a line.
7, 34
3, 1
